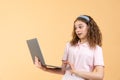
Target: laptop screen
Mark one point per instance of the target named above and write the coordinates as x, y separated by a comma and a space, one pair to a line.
35, 50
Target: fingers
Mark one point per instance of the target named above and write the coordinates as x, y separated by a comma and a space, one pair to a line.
37, 62
71, 66
36, 59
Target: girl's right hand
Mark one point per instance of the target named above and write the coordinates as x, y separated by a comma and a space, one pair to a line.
38, 64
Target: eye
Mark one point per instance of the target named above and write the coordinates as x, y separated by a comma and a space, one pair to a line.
80, 26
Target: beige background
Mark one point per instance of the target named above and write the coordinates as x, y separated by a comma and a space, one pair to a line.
51, 21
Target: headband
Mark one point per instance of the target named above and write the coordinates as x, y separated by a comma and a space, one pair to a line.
85, 17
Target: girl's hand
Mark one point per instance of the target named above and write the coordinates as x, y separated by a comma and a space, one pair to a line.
72, 68
38, 64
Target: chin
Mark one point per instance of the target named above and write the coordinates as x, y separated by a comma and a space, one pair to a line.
80, 37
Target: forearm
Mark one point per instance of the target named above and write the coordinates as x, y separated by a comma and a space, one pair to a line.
97, 74
89, 75
54, 70
51, 70
57, 70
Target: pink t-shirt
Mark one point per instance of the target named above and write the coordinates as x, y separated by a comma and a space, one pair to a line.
83, 57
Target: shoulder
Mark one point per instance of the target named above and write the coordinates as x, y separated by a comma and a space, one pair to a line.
98, 48
68, 44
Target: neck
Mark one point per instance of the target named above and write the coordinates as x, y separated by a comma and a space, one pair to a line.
83, 40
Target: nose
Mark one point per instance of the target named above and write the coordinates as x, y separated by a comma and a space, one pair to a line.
78, 30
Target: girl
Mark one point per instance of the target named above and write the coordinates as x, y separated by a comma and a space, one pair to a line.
83, 57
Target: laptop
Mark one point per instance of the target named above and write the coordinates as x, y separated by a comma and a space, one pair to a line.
35, 50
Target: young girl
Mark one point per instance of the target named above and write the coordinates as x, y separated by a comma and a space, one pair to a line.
83, 57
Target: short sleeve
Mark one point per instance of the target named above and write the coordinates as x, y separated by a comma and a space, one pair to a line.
98, 56
65, 55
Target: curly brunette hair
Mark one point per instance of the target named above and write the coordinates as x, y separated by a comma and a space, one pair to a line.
94, 35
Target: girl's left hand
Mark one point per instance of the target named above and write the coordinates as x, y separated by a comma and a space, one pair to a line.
72, 67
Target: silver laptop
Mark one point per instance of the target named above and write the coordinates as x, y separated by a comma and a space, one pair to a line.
35, 50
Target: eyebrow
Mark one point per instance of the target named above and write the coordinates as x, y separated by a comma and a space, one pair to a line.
79, 24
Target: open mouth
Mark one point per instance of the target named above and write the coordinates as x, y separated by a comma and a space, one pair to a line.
79, 34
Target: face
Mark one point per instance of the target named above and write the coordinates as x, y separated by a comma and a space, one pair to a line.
81, 29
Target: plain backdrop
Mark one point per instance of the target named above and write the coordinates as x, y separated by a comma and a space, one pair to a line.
51, 21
